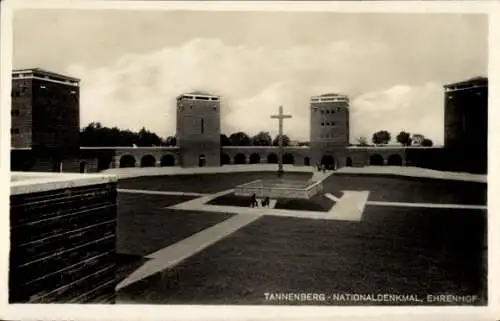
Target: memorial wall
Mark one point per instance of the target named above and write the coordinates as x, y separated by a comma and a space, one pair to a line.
63, 238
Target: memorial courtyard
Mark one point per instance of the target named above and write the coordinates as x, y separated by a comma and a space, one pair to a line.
187, 239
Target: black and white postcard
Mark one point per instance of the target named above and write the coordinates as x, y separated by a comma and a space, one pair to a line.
258, 156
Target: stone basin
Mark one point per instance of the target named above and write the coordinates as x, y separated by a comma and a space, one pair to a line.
282, 189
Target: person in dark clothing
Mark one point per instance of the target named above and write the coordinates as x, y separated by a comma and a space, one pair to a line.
253, 201
265, 202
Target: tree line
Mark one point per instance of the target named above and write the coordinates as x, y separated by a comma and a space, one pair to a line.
383, 137
97, 135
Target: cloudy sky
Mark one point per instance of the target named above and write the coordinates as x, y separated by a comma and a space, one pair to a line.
134, 63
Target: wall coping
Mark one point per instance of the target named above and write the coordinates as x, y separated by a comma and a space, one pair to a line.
35, 182
132, 147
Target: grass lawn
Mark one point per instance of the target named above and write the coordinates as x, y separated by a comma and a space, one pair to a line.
202, 183
145, 225
382, 188
393, 250
406, 189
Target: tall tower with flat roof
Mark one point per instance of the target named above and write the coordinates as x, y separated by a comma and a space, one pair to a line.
329, 127
198, 129
466, 123
45, 110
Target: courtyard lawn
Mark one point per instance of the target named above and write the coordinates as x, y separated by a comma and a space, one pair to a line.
407, 189
203, 183
145, 225
393, 250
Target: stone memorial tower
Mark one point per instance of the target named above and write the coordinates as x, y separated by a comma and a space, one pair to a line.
329, 129
198, 129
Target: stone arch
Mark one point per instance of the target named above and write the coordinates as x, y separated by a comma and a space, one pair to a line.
23, 162
58, 166
202, 160
83, 167
254, 158
104, 162
127, 161
240, 158
395, 160
348, 162
148, 161
288, 158
272, 158
167, 160
329, 162
225, 159
376, 160
307, 161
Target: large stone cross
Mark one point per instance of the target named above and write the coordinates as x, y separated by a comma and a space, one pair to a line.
280, 118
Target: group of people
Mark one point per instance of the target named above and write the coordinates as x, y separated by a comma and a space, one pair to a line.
319, 167
254, 203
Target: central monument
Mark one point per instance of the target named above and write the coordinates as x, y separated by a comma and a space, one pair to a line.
280, 188
280, 118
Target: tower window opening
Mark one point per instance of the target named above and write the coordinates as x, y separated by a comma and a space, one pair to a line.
202, 125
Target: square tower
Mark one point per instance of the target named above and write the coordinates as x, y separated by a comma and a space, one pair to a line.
198, 129
329, 120
466, 124
45, 110
466, 114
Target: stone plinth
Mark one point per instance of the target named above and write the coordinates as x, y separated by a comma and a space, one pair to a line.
63, 238
284, 189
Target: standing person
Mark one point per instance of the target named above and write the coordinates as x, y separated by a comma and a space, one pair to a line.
253, 201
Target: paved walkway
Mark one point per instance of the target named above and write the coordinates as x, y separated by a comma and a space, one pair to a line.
408, 171
175, 170
348, 208
167, 193
428, 205
351, 205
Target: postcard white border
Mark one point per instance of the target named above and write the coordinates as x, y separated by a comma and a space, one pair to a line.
137, 312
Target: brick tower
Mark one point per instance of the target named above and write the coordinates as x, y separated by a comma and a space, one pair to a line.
45, 110
329, 128
198, 129
466, 124
45, 124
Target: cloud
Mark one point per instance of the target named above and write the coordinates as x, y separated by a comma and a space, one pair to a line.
139, 90
417, 109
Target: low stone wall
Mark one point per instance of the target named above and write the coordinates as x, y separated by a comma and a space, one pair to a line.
63, 238
315, 189
263, 189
